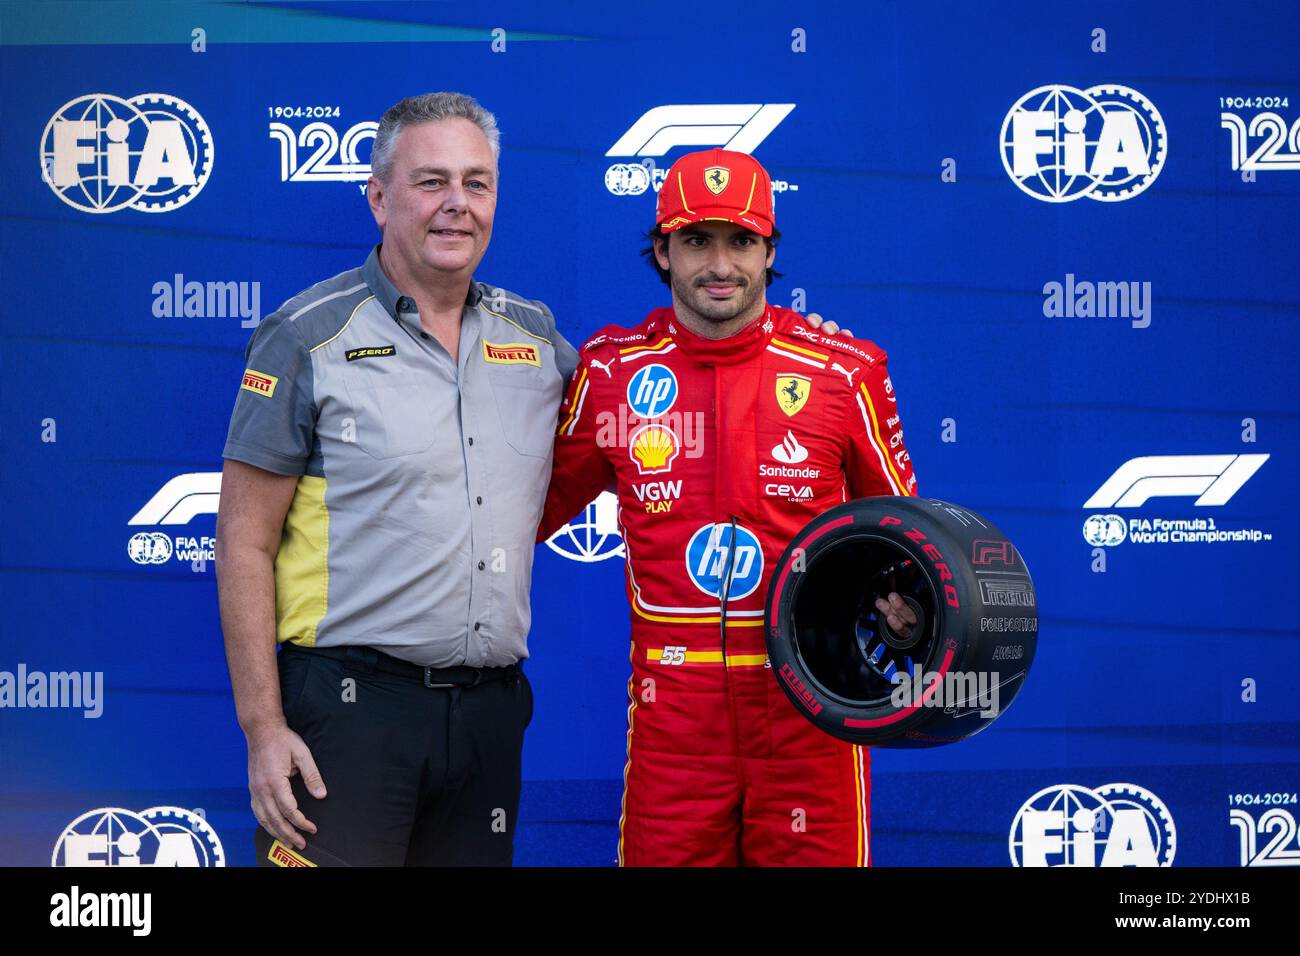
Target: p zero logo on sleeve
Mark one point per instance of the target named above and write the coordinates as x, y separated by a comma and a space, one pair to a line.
512, 353
259, 383
377, 351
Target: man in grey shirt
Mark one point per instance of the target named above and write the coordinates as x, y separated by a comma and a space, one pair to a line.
386, 465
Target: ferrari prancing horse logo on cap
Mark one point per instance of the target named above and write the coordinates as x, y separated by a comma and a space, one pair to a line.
716, 178
792, 392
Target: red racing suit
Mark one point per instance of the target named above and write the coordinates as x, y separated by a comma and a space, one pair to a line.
722, 450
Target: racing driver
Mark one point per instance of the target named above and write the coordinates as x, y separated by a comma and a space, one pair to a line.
726, 424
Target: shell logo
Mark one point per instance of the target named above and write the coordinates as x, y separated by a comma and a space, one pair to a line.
653, 448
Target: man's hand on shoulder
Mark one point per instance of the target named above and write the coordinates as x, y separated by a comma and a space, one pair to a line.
825, 325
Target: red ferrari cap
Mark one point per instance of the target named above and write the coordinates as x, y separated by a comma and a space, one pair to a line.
716, 184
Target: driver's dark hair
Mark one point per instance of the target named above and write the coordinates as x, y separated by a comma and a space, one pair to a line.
658, 233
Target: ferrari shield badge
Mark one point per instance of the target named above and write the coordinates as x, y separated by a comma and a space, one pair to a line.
792, 392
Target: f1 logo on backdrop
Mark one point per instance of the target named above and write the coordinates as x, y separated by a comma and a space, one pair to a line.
1118, 824
1059, 143
739, 127
151, 153
178, 502
1212, 479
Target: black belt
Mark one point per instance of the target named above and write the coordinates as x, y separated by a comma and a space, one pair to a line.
433, 677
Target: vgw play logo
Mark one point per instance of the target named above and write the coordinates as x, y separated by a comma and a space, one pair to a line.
151, 153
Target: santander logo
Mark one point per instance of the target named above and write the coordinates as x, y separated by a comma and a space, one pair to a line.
790, 452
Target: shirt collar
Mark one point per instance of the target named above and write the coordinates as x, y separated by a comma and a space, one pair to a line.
733, 350
388, 294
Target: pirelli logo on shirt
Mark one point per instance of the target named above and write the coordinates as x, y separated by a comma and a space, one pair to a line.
282, 855
259, 383
376, 351
512, 353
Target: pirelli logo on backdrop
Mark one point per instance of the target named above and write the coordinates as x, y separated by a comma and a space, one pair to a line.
512, 353
377, 351
259, 383
281, 855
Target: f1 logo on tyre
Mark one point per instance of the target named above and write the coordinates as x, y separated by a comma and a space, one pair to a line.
739, 127
1213, 478
712, 553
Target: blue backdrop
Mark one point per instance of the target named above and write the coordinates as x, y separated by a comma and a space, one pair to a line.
1168, 665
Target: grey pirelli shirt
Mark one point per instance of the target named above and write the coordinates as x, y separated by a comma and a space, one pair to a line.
421, 481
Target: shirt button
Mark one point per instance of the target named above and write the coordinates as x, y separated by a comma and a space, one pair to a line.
477, 625
478, 500
424, 335
404, 304
471, 441
482, 565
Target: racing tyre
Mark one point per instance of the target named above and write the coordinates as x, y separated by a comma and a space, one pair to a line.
847, 671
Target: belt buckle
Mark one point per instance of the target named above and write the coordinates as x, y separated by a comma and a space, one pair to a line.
428, 680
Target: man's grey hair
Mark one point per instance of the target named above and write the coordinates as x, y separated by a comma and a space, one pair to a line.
427, 108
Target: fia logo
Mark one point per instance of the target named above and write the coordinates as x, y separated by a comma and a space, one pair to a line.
158, 837
1104, 531
1118, 824
151, 153
1059, 143
592, 536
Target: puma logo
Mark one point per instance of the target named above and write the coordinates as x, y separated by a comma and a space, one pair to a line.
837, 367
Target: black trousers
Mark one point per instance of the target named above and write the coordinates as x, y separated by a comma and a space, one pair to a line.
415, 775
